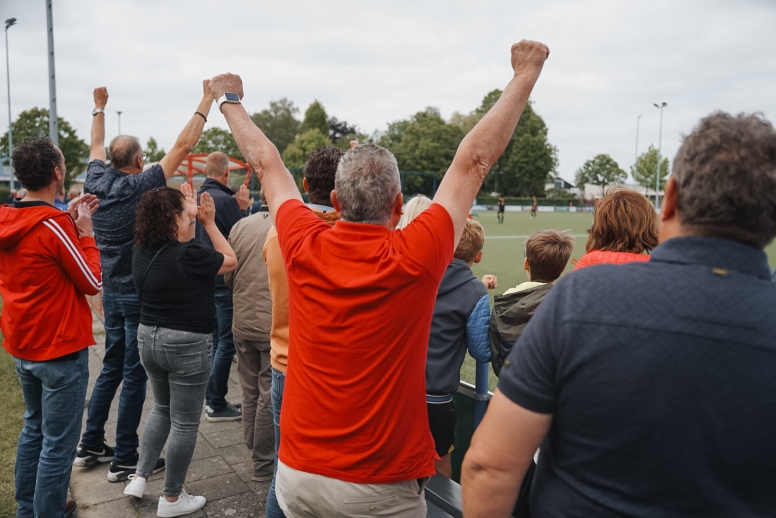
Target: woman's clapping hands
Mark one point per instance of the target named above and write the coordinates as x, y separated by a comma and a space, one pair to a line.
191, 200
207, 210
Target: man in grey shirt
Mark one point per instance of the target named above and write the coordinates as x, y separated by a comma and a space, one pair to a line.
251, 325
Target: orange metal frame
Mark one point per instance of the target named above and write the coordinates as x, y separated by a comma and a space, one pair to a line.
195, 164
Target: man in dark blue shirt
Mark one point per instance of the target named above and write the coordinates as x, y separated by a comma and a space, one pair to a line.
651, 386
231, 207
119, 189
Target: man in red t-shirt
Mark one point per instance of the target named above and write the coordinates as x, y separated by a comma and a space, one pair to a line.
355, 427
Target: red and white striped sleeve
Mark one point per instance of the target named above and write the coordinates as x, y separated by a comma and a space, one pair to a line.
79, 257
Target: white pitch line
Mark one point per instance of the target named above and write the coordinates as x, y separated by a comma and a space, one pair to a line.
526, 236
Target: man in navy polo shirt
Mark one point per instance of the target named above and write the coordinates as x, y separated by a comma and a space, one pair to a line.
650, 386
119, 189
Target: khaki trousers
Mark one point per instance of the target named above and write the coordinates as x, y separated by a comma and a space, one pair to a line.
305, 495
253, 369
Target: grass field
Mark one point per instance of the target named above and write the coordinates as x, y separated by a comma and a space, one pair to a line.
503, 252
11, 422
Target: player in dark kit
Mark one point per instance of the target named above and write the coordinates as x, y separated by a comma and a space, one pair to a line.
500, 213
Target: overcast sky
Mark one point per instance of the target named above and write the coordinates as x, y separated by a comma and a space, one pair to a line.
371, 62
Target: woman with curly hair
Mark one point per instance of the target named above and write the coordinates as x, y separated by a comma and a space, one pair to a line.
174, 276
624, 229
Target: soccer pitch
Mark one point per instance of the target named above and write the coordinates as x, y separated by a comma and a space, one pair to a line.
503, 252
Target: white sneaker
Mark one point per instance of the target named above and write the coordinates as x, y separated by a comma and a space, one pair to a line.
136, 486
184, 505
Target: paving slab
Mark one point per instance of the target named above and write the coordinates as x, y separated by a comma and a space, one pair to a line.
220, 470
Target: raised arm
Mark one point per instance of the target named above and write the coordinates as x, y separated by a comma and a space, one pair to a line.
190, 134
484, 144
97, 149
259, 152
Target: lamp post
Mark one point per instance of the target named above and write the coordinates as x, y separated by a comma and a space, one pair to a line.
638, 119
8, 23
659, 141
119, 112
636, 162
53, 118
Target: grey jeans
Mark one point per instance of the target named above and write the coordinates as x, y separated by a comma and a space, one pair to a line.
178, 366
253, 369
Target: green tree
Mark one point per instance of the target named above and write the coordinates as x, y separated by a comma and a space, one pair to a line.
315, 118
422, 143
644, 172
296, 153
217, 139
34, 123
602, 171
152, 150
279, 122
529, 157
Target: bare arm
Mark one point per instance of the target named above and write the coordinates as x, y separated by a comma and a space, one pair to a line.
189, 136
97, 149
207, 216
259, 152
484, 144
498, 457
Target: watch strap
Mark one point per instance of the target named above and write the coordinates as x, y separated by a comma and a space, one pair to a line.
221, 100
96, 111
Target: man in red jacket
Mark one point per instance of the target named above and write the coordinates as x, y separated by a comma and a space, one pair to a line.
48, 263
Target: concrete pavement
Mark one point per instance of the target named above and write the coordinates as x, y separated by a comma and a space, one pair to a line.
220, 469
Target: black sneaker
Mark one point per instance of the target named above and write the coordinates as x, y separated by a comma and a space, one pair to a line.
85, 457
228, 413
118, 473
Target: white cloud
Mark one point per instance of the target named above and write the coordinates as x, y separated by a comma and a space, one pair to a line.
374, 62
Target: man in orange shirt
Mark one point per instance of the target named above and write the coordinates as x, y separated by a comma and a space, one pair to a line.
361, 295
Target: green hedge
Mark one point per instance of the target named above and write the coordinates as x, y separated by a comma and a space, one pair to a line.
511, 200
4, 192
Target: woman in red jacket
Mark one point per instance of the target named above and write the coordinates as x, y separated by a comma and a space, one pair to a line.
624, 229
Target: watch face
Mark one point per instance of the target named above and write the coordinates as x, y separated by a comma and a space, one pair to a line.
232, 97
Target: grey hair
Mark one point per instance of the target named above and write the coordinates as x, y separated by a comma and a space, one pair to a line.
123, 151
216, 164
367, 182
725, 174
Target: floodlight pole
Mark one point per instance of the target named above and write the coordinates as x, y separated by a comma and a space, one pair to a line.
119, 112
53, 120
636, 162
659, 141
638, 119
8, 23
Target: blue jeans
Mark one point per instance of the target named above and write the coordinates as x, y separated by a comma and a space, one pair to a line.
178, 365
278, 383
223, 350
121, 363
54, 392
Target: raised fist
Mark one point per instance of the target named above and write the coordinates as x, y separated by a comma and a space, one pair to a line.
226, 83
490, 281
206, 87
100, 97
527, 55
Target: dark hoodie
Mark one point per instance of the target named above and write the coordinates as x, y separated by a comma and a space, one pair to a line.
511, 313
45, 270
227, 214
460, 322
